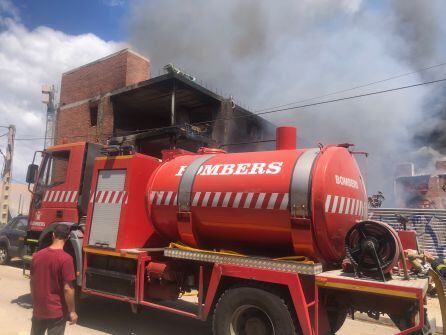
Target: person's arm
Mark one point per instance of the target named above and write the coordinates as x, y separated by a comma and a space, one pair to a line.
68, 288
31, 270
69, 295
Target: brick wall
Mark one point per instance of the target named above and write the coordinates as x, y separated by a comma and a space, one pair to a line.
90, 85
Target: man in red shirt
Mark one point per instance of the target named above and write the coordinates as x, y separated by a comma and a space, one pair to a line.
52, 290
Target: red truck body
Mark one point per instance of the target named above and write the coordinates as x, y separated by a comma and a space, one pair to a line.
125, 210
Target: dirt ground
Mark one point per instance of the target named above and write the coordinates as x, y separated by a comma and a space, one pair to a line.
100, 316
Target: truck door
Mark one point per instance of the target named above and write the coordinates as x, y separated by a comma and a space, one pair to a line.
56, 193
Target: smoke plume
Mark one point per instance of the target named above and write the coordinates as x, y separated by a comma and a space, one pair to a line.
267, 53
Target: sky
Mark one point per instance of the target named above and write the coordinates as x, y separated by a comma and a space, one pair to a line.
263, 53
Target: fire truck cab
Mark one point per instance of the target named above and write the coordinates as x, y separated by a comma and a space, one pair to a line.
60, 193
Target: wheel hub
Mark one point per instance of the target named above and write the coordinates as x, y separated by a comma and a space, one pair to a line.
251, 320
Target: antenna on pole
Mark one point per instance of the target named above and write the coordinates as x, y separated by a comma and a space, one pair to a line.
6, 176
48, 98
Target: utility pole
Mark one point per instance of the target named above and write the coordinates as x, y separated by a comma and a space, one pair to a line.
48, 97
6, 176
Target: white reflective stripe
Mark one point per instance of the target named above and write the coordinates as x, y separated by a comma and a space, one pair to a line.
67, 196
347, 205
226, 199
55, 196
260, 200
169, 195
272, 200
341, 205
236, 202
248, 200
107, 198
206, 199
327, 203
196, 197
101, 197
158, 199
47, 193
361, 208
352, 207
93, 194
115, 197
73, 196
126, 198
151, 196
335, 204
284, 203
357, 207
216, 198
175, 199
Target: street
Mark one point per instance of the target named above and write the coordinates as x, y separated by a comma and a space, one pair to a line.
101, 316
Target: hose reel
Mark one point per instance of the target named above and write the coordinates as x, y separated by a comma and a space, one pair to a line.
373, 248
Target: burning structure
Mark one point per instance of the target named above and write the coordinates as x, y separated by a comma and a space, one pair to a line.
114, 97
423, 190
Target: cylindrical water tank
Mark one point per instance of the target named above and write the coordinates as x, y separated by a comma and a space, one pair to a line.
280, 202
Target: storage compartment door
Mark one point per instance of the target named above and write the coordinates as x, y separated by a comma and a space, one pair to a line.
107, 203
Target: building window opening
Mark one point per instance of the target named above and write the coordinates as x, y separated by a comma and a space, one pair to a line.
93, 115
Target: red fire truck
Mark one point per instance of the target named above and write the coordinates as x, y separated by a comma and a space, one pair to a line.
258, 236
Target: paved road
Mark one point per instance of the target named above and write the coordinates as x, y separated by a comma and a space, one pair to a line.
101, 316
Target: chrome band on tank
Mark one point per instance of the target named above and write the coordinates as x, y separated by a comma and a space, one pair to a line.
187, 181
301, 183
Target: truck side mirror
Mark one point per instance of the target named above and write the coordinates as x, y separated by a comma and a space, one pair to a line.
31, 174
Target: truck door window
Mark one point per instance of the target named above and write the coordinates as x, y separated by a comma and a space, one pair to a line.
55, 170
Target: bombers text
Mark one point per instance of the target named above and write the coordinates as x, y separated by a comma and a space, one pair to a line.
340, 180
235, 169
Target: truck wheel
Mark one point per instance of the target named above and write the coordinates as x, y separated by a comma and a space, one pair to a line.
336, 319
4, 255
252, 311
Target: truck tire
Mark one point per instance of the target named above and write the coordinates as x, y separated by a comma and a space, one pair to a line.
252, 311
336, 319
4, 255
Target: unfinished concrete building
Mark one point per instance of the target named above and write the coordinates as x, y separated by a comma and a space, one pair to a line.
114, 97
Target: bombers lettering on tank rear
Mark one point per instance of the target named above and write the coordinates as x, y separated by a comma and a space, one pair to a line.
282, 202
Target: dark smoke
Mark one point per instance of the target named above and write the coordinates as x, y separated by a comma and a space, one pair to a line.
268, 53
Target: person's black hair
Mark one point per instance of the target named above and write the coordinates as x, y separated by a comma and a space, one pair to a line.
61, 231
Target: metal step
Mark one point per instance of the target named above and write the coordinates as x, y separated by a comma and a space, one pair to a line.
249, 261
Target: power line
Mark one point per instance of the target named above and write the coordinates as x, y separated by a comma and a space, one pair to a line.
356, 87
328, 101
275, 110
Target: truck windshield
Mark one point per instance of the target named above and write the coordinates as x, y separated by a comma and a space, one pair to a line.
54, 171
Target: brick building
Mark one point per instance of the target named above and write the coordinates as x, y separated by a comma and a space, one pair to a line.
421, 190
85, 111
114, 97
